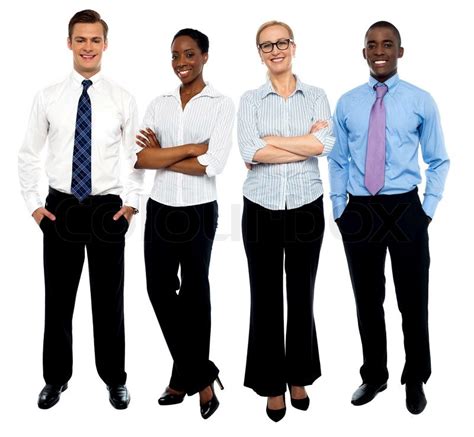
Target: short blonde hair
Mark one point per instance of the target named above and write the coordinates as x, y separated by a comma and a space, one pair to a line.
273, 23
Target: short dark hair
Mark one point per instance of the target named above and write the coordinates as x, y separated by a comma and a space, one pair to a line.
387, 25
87, 16
201, 40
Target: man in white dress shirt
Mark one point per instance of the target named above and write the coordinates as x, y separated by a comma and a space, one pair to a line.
88, 122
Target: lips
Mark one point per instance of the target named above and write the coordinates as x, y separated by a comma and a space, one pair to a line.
380, 62
88, 57
277, 59
183, 73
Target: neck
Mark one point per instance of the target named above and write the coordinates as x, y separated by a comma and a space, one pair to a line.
87, 74
284, 84
193, 88
383, 79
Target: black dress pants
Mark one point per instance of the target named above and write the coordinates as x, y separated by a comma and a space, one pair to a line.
291, 239
81, 227
182, 237
369, 226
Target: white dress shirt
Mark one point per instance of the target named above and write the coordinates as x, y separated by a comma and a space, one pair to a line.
53, 120
262, 113
206, 119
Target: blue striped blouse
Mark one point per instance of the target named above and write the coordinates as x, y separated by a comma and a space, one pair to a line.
263, 112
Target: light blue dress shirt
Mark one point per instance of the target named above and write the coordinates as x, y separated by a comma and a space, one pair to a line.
263, 112
412, 119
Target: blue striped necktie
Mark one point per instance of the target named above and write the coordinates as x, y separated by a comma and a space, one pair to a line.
81, 158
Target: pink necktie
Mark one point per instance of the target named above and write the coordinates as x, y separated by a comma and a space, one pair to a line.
375, 160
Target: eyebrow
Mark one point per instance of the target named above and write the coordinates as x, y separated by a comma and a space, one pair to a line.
385, 40
185, 50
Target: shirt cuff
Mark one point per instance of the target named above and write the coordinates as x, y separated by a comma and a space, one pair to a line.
33, 203
249, 152
338, 208
327, 140
205, 161
430, 204
132, 200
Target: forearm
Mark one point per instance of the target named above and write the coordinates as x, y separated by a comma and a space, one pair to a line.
189, 166
158, 157
305, 145
274, 155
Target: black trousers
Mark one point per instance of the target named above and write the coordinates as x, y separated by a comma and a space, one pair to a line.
81, 227
182, 237
291, 238
369, 226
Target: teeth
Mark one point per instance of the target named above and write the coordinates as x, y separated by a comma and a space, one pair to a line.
380, 62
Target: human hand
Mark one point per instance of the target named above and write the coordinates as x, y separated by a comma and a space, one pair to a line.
198, 149
318, 125
147, 138
126, 211
40, 213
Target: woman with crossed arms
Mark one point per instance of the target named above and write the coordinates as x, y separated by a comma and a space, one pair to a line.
281, 130
186, 138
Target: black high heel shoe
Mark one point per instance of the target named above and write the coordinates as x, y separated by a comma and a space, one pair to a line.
299, 404
168, 398
277, 415
210, 407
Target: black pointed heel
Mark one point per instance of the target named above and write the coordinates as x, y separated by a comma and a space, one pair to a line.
299, 404
277, 415
210, 407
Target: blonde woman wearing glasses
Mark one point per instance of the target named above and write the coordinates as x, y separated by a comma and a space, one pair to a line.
282, 129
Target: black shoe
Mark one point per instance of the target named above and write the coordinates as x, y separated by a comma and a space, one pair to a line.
277, 415
168, 398
367, 392
210, 407
416, 399
50, 395
118, 396
299, 404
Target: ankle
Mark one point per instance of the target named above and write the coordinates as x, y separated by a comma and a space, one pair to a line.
276, 402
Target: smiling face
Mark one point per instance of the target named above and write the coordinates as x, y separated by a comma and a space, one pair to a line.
277, 61
87, 43
382, 51
187, 59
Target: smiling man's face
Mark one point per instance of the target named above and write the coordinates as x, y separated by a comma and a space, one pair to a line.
87, 43
382, 51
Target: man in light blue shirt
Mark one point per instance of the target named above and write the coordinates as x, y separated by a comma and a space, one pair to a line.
391, 216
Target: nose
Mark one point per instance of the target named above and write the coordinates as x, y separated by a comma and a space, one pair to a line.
88, 45
379, 50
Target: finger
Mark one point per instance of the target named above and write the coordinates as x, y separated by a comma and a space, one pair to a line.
119, 213
48, 214
141, 143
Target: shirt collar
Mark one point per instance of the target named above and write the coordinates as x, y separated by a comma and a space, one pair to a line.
267, 88
208, 91
391, 83
78, 78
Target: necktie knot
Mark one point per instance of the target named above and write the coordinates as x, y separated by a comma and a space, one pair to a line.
86, 84
380, 91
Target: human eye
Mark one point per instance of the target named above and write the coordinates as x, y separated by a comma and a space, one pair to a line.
189, 55
266, 46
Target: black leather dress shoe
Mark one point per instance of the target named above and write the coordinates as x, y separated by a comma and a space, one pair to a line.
367, 392
416, 399
119, 396
168, 398
50, 395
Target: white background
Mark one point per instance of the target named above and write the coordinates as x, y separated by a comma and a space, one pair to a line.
329, 38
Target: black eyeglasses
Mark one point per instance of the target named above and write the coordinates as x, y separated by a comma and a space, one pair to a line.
281, 44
